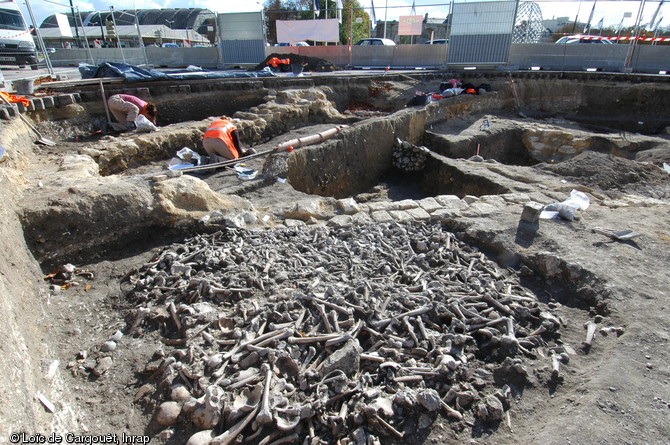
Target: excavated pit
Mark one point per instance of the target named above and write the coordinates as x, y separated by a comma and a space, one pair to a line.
285, 253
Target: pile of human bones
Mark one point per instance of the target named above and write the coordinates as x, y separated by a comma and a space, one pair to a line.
319, 335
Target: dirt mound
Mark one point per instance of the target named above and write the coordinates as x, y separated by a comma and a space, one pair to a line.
608, 172
309, 63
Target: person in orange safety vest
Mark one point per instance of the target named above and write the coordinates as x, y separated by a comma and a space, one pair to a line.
222, 139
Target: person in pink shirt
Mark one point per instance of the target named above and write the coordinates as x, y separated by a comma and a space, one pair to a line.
126, 108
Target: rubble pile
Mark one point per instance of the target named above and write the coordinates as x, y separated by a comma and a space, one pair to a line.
314, 335
408, 157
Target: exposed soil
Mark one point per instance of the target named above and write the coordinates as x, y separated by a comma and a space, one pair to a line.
308, 63
617, 391
612, 173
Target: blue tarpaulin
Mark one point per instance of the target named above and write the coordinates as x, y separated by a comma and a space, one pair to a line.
136, 74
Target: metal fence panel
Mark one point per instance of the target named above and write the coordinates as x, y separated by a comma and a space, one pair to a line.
243, 51
481, 33
242, 37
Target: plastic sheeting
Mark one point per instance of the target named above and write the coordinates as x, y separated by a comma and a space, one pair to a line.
136, 74
293, 31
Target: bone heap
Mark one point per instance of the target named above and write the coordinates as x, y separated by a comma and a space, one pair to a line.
321, 335
408, 157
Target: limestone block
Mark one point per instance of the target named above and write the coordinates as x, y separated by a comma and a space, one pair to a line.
517, 198
493, 200
429, 204
400, 215
340, 221
381, 216
469, 199
294, 223
418, 214
306, 209
361, 218
451, 202
444, 214
480, 209
380, 206
531, 212
404, 204
347, 206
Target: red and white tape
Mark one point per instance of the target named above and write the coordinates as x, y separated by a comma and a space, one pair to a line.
644, 39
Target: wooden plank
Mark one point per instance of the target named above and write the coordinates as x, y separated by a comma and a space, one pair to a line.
79, 82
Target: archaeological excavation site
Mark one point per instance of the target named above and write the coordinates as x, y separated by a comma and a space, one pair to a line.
388, 268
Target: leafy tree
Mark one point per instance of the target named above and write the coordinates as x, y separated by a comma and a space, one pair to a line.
358, 30
274, 10
304, 9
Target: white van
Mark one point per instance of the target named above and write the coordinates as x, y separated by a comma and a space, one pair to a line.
16, 43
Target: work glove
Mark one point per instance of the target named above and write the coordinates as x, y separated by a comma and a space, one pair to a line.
130, 125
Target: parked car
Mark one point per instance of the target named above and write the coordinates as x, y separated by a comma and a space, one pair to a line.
437, 42
375, 41
170, 45
288, 44
583, 39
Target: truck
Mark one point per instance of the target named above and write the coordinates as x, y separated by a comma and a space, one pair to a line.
16, 41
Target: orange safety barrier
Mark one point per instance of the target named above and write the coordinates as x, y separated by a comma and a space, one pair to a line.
15, 99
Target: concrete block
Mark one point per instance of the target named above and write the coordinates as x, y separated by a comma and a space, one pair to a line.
13, 110
65, 99
4, 113
21, 107
49, 101
77, 97
531, 212
38, 103
185, 89
173, 89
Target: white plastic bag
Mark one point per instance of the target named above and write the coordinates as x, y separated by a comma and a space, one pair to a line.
144, 125
566, 209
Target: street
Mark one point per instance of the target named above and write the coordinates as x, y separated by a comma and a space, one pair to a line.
11, 73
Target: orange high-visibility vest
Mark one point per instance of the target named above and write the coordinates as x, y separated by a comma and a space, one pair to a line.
222, 129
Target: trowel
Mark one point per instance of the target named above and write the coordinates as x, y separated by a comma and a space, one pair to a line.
620, 235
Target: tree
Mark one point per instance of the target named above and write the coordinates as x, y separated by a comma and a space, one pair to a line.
274, 10
359, 30
304, 10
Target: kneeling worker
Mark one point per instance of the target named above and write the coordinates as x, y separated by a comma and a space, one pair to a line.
126, 108
222, 139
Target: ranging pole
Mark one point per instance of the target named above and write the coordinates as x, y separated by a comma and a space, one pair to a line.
40, 41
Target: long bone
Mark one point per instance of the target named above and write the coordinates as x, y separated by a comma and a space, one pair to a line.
265, 414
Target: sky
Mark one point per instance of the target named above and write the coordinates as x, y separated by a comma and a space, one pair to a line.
612, 12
